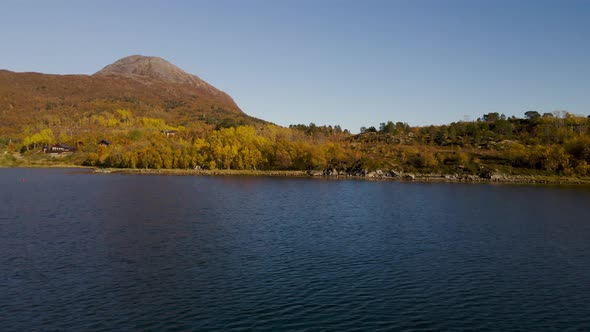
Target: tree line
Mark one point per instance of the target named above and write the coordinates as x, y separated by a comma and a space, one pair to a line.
553, 143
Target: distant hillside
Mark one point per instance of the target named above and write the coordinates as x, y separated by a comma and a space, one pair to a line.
146, 86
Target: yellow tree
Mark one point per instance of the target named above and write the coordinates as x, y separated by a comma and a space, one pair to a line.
45, 136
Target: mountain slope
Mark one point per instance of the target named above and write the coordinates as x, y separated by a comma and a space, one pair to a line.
147, 86
141, 67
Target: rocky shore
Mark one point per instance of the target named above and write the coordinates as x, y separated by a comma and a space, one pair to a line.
485, 176
392, 175
488, 177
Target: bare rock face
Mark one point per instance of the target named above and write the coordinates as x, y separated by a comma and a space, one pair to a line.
139, 66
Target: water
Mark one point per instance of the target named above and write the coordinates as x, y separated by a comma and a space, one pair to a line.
108, 252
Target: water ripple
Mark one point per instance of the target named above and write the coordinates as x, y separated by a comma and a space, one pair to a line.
184, 253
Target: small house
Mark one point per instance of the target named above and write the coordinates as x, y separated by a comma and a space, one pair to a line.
168, 133
104, 143
59, 148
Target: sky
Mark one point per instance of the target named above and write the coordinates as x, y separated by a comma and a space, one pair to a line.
330, 62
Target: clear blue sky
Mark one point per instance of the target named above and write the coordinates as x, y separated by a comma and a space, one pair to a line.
353, 63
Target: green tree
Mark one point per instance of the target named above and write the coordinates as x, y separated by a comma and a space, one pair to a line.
532, 115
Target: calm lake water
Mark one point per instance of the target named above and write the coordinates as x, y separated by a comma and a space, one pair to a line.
108, 252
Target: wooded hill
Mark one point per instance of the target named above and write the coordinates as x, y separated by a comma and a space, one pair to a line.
149, 87
154, 115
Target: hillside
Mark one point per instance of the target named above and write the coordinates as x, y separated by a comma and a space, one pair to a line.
146, 86
154, 68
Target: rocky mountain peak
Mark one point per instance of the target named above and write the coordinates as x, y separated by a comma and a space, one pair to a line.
152, 67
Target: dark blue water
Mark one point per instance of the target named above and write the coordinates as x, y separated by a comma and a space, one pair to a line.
108, 252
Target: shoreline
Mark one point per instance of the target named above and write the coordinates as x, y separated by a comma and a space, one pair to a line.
417, 178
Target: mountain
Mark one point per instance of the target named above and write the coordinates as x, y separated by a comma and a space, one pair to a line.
151, 67
146, 86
